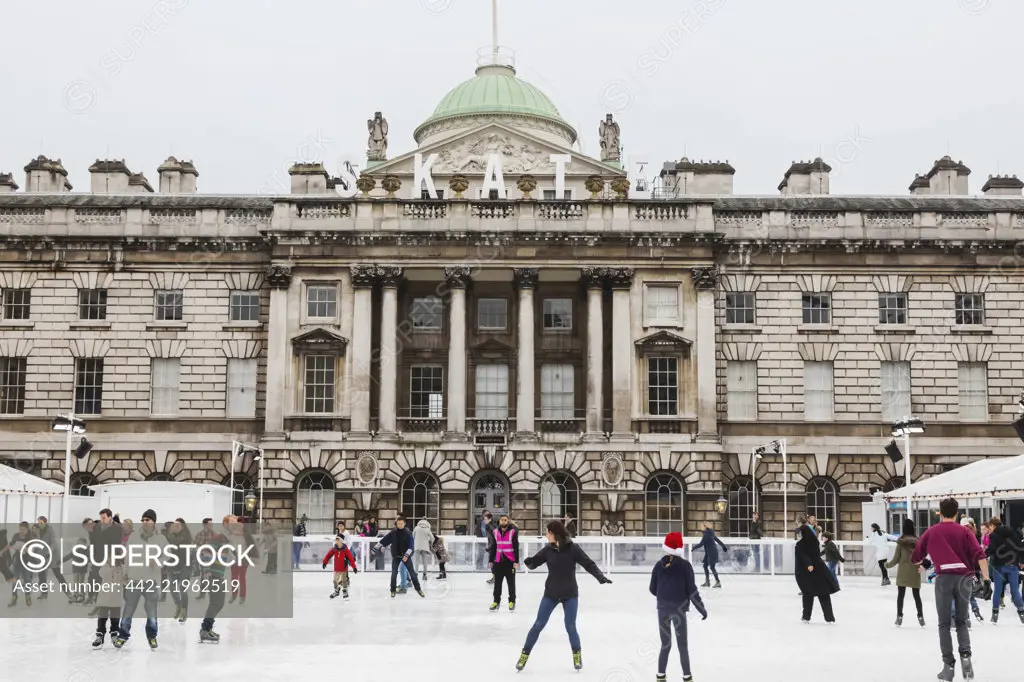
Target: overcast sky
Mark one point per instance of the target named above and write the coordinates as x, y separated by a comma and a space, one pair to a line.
881, 88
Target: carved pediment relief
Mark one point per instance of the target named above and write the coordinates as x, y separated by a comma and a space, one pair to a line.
491, 348
320, 339
664, 342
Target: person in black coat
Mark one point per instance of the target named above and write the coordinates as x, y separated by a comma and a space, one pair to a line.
562, 556
401, 544
710, 544
813, 576
672, 582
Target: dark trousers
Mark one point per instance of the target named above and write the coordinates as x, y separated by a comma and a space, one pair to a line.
710, 565
901, 592
271, 563
105, 613
883, 569
178, 591
826, 607
666, 619
216, 604
503, 569
950, 590
395, 563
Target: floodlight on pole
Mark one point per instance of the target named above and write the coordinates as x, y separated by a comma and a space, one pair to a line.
777, 447
239, 449
71, 426
903, 428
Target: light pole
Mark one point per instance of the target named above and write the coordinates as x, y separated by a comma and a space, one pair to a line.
239, 449
72, 426
755, 455
778, 446
905, 427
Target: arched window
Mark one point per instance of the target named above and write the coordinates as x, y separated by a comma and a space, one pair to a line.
160, 476
559, 495
823, 503
490, 492
894, 483
314, 497
421, 497
742, 505
79, 482
243, 484
663, 505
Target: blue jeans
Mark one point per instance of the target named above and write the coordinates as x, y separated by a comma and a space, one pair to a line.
403, 574
131, 602
1002, 575
755, 550
547, 606
296, 551
832, 569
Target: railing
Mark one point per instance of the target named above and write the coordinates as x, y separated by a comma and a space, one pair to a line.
324, 211
173, 216
613, 554
425, 210
316, 424
663, 425
485, 426
243, 216
99, 216
24, 216
413, 422
661, 212
489, 210
547, 422
814, 218
560, 210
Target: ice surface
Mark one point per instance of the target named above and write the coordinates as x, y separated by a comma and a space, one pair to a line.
754, 633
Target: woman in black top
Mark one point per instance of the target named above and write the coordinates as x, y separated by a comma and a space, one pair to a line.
813, 576
561, 557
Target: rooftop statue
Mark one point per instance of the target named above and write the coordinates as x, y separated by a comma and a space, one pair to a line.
377, 146
609, 135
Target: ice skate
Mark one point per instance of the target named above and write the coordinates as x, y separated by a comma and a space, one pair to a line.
659, 678
706, 583
208, 636
442, 576
402, 590
920, 621
241, 602
177, 612
234, 597
44, 596
183, 616
995, 616
334, 595
28, 600
717, 584
14, 600
885, 582
966, 667
511, 606
98, 642
344, 595
523, 658
687, 678
899, 621
421, 593
977, 614
393, 593
119, 641
1020, 614
577, 660
494, 606
948, 673
152, 643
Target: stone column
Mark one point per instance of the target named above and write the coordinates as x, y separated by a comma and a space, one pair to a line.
621, 282
526, 282
457, 279
279, 277
389, 278
705, 281
363, 278
594, 278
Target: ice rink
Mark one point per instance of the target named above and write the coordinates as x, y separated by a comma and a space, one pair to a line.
753, 633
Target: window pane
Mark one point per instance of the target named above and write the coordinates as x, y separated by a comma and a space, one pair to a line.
817, 308
245, 306
88, 386
663, 505
169, 305
17, 304
822, 503
165, 375
12, 385
492, 314
741, 507
818, 395
92, 304
892, 308
421, 499
322, 301
895, 379
426, 392
492, 391
426, 313
557, 392
973, 391
319, 384
970, 309
314, 498
742, 390
740, 308
559, 495
662, 303
557, 313
241, 388
662, 386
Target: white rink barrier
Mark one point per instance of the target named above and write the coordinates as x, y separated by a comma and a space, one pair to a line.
620, 554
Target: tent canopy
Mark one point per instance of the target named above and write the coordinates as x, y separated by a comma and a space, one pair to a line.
992, 477
13, 480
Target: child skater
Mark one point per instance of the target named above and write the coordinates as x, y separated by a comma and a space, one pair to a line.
672, 582
441, 553
401, 544
342, 560
832, 555
561, 556
109, 601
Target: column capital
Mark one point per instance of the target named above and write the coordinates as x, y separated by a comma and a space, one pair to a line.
365, 276
594, 278
620, 278
457, 276
279, 276
525, 278
704, 278
389, 276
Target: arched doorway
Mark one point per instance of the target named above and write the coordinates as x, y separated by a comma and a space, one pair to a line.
243, 484
490, 491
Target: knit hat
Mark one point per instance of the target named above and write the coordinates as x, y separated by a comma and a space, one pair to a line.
149, 514
674, 544
967, 521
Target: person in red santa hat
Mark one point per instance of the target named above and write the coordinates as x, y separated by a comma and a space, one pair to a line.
672, 582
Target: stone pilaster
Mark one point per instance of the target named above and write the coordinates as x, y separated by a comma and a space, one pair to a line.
621, 282
388, 407
279, 277
526, 282
594, 279
705, 281
363, 279
457, 278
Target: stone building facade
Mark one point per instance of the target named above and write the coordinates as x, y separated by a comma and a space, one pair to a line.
617, 358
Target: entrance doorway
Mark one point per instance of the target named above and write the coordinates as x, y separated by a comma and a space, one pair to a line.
490, 492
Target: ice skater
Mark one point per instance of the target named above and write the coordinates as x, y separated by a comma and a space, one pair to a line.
1004, 554
672, 582
832, 556
401, 543
144, 580
179, 576
423, 539
503, 558
562, 556
343, 558
880, 542
23, 577
215, 572
813, 576
708, 544
441, 553
908, 576
109, 602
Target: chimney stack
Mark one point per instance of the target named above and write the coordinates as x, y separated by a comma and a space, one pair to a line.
996, 186
920, 185
138, 184
309, 178
697, 177
7, 183
948, 177
109, 176
45, 175
806, 177
177, 177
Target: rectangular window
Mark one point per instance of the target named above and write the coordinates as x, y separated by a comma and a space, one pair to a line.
557, 314
892, 308
970, 309
741, 389
425, 194
492, 391
89, 386
169, 305
552, 195
895, 377
492, 314
817, 308
662, 386
973, 391
661, 304
819, 403
426, 392
165, 383
322, 301
92, 304
17, 304
12, 385
241, 388
740, 308
319, 384
427, 313
557, 392
244, 306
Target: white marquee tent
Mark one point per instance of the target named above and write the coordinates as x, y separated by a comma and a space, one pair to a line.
999, 478
24, 497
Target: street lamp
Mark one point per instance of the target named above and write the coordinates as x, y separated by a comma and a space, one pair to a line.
250, 502
72, 426
721, 504
778, 447
239, 449
904, 428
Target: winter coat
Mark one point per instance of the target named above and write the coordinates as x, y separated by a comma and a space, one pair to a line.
400, 542
907, 575
831, 553
881, 545
819, 582
422, 536
755, 531
561, 583
672, 582
143, 570
440, 551
342, 559
111, 578
710, 544
492, 545
1004, 546
18, 541
180, 541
